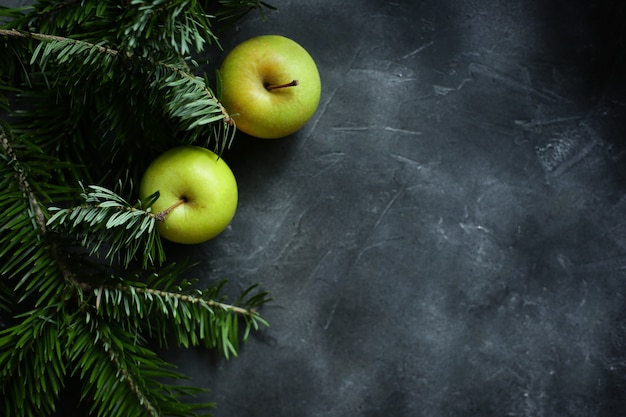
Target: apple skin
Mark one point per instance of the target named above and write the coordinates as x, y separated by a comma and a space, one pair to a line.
266, 60
205, 183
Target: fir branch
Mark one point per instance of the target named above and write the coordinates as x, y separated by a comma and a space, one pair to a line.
145, 28
150, 293
33, 351
187, 97
35, 210
107, 219
182, 24
127, 377
81, 17
51, 327
231, 11
7, 301
192, 317
122, 376
22, 182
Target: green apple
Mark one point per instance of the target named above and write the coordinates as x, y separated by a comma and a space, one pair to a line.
271, 86
197, 194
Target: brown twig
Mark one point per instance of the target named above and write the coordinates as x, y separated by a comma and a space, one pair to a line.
192, 299
43, 37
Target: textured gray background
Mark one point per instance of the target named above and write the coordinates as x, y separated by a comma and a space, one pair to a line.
446, 236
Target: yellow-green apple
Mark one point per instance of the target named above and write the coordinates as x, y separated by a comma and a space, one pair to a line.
271, 86
197, 194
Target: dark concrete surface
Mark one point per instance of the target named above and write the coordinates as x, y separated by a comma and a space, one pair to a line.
446, 237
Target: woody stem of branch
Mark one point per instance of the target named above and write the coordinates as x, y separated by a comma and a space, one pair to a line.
192, 299
43, 37
33, 201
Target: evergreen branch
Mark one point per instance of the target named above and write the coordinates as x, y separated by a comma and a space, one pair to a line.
194, 318
187, 97
32, 363
107, 219
6, 301
22, 182
24, 373
187, 298
232, 10
127, 377
183, 24
145, 28
122, 376
106, 380
35, 213
81, 17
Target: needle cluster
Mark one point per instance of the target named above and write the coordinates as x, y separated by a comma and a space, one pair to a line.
90, 92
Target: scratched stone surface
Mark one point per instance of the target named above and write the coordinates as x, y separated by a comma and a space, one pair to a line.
447, 235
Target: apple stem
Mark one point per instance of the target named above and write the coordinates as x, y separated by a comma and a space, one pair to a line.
160, 216
274, 87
